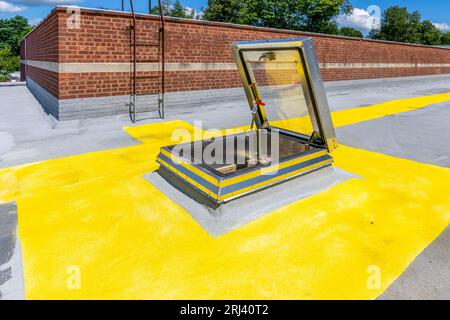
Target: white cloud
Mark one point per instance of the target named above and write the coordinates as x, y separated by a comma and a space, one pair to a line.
360, 19
197, 14
8, 7
442, 26
47, 2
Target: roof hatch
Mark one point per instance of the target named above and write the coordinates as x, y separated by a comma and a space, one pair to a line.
284, 88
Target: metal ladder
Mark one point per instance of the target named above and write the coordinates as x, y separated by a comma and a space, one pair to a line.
135, 78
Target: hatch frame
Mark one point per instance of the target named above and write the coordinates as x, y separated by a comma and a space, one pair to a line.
315, 95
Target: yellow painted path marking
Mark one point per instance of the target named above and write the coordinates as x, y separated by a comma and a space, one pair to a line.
340, 118
350, 116
95, 211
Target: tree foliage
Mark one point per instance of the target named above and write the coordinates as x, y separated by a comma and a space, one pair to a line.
350, 32
174, 9
9, 62
446, 39
233, 11
430, 35
12, 31
305, 15
400, 25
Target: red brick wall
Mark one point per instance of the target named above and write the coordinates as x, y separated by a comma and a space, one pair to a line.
104, 37
42, 45
47, 79
101, 38
100, 84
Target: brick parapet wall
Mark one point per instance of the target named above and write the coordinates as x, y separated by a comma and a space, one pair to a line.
42, 44
104, 38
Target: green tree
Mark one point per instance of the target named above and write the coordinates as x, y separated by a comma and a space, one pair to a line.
397, 24
179, 11
174, 9
9, 62
446, 39
305, 15
430, 34
350, 32
12, 31
320, 15
234, 11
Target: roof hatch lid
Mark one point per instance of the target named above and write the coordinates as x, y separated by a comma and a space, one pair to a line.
284, 88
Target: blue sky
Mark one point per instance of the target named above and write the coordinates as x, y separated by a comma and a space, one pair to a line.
438, 11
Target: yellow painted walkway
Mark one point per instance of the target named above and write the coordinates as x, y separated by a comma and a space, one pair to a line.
96, 213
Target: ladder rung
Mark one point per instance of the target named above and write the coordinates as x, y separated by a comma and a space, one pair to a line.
148, 77
145, 61
142, 112
142, 44
145, 94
